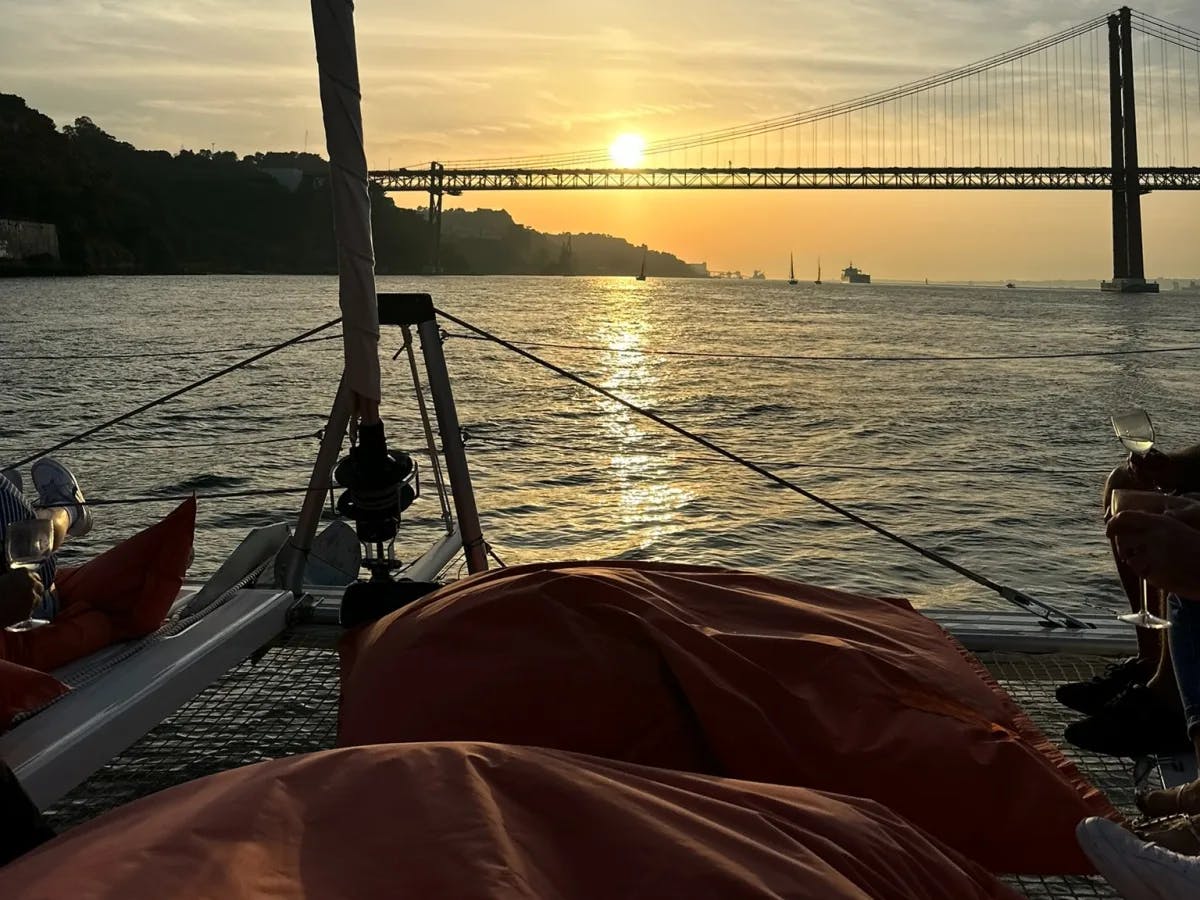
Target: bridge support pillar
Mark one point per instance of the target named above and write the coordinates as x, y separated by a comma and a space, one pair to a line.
1129, 271
434, 266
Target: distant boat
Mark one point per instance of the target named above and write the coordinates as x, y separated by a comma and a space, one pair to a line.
759, 275
1009, 284
818, 281
792, 269
854, 275
641, 276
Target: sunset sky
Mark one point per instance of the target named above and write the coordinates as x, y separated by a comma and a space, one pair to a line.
469, 78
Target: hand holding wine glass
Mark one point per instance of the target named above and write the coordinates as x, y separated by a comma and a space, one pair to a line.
1136, 432
26, 544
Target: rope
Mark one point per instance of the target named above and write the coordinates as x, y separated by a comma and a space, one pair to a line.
494, 555
1028, 603
800, 357
66, 442
160, 353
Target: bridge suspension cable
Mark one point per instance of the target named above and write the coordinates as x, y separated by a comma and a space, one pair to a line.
943, 90
1044, 104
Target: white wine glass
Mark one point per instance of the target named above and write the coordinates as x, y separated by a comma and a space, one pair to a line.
1124, 499
1135, 430
27, 544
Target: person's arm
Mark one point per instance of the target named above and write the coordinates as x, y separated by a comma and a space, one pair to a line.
1160, 548
1178, 470
20, 592
1187, 463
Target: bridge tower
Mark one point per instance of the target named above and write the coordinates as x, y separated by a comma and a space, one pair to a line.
435, 218
1129, 270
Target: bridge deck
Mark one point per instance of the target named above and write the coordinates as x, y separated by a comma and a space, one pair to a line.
457, 181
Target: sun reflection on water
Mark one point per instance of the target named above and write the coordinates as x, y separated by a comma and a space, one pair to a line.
641, 462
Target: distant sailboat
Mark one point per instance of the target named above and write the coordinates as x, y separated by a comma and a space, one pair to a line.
792, 269
641, 276
818, 281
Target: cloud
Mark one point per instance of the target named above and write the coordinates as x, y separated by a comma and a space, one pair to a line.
469, 78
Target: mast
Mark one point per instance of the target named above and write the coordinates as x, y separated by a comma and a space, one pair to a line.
792, 266
358, 393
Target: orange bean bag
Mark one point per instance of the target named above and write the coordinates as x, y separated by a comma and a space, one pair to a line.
460, 821
122, 594
731, 674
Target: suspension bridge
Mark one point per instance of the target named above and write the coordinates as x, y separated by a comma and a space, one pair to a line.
1065, 112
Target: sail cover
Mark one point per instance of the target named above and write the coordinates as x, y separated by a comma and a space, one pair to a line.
337, 62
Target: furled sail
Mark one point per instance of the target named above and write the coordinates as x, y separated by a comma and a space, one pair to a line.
337, 61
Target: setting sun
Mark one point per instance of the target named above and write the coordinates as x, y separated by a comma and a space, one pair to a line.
626, 151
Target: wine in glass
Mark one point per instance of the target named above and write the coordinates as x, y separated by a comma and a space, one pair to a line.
1135, 430
27, 544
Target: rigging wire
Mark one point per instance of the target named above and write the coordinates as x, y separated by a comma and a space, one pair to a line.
222, 495
801, 357
154, 354
188, 445
171, 395
1083, 471
1029, 604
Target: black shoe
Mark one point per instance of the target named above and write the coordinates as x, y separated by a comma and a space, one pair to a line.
1089, 697
1137, 723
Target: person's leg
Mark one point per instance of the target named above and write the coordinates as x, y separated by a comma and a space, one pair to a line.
1150, 642
1137, 869
1165, 682
1184, 640
1091, 696
58, 489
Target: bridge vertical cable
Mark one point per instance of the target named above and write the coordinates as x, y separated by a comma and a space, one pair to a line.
1169, 95
955, 118
1034, 116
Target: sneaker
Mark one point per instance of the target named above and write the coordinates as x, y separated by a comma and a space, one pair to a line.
56, 486
1137, 723
13, 476
1139, 871
1091, 696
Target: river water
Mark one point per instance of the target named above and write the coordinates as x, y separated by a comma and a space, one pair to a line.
997, 464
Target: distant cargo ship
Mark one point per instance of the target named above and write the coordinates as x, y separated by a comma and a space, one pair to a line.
854, 275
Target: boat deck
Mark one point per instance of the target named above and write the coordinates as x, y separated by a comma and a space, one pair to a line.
285, 702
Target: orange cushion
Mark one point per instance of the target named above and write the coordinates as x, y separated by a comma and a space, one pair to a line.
23, 689
733, 674
122, 594
488, 821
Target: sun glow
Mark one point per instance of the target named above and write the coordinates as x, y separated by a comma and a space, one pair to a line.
626, 151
